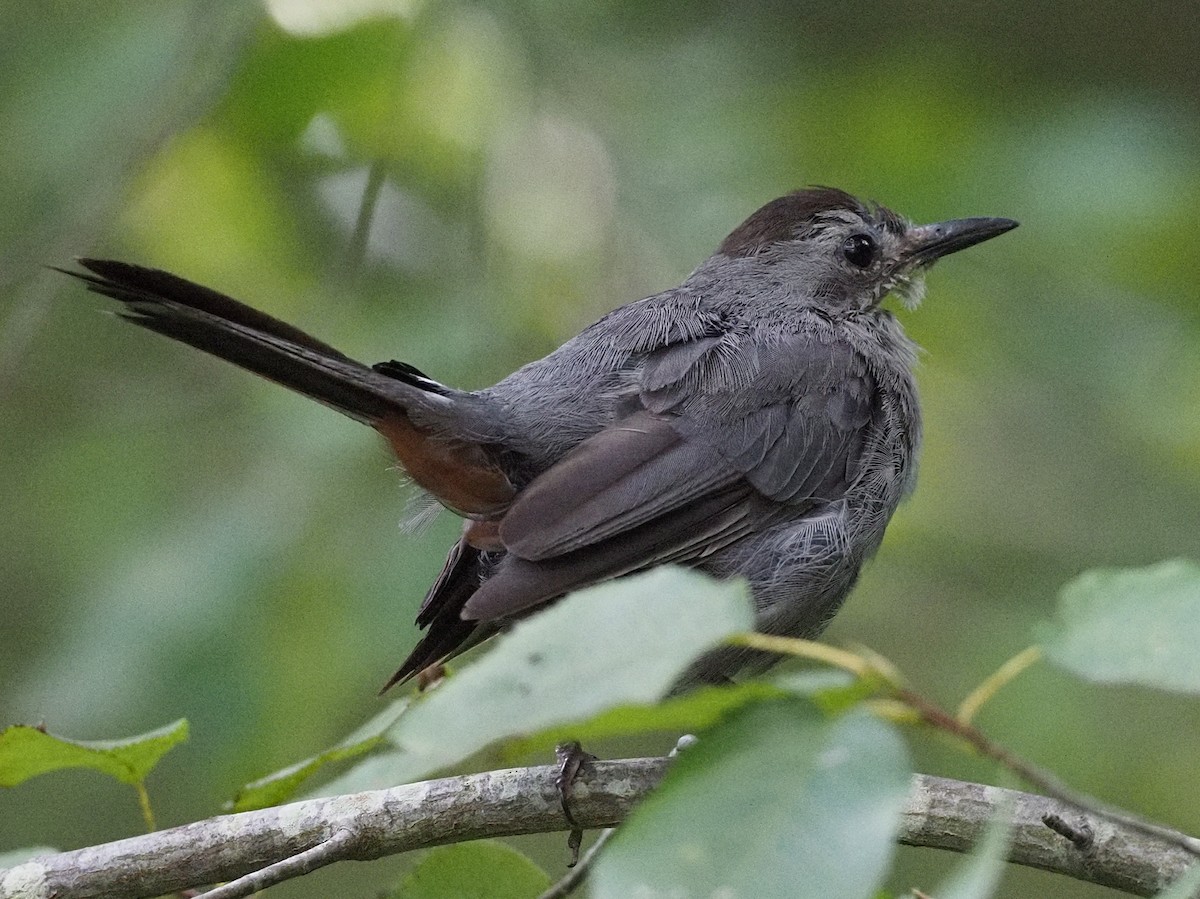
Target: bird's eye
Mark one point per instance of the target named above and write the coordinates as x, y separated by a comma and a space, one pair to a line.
859, 250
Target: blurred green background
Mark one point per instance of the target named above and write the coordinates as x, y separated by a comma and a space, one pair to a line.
181, 539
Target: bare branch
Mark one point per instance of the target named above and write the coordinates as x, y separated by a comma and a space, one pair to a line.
1042, 779
941, 813
950, 814
335, 849
382, 822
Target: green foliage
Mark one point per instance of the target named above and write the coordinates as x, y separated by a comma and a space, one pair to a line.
26, 752
481, 870
795, 787
598, 649
521, 735
1131, 626
778, 800
280, 786
693, 711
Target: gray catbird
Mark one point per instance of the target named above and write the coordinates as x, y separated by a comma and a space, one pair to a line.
759, 420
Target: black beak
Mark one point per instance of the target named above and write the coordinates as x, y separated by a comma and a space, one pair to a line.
925, 243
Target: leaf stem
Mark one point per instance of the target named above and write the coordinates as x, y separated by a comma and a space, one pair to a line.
810, 649
144, 805
995, 682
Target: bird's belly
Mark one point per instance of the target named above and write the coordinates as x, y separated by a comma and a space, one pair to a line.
799, 571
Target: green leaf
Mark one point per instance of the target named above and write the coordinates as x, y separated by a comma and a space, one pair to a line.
280, 786
620, 643
481, 870
1131, 626
832, 689
978, 876
778, 798
815, 681
700, 709
26, 752
694, 711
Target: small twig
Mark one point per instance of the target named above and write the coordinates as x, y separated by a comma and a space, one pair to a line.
575, 877
880, 666
867, 665
969, 707
1081, 835
1039, 777
809, 649
337, 848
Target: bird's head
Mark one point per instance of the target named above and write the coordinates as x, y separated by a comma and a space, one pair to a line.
843, 253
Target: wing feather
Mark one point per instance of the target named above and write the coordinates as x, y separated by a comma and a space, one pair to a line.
727, 438
632, 472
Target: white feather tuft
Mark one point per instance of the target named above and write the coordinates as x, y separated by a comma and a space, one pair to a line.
910, 289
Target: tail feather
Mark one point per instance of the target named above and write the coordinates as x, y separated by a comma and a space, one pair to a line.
419, 417
134, 284
446, 633
253, 340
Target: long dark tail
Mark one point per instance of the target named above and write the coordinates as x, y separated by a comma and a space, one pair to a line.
432, 428
253, 340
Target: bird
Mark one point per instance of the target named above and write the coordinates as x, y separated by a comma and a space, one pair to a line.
759, 420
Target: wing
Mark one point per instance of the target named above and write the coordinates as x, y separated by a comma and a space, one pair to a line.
728, 436
787, 412
633, 512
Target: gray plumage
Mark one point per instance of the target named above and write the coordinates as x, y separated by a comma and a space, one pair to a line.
759, 420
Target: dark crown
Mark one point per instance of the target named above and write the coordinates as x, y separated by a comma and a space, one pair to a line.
787, 217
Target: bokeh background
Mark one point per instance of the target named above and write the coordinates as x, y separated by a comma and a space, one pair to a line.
178, 538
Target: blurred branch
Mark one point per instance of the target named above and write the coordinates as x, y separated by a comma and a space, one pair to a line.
357, 251
256, 849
